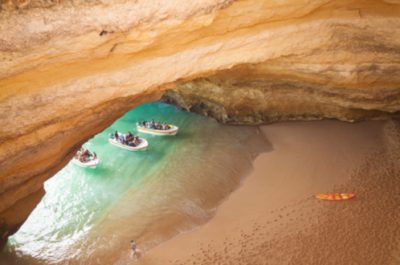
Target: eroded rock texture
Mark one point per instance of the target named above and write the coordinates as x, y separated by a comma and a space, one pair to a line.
70, 68
267, 92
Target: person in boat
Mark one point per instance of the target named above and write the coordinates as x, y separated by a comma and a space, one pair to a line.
136, 140
165, 126
131, 141
122, 138
116, 136
85, 152
87, 155
78, 154
129, 137
155, 125
82, 155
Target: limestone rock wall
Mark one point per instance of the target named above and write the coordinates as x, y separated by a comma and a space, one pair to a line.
70, 68
267, 92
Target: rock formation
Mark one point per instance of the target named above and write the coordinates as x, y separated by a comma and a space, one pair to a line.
70, 68
265, 92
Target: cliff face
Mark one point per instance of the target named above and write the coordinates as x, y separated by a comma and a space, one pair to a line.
70, 69
269, 92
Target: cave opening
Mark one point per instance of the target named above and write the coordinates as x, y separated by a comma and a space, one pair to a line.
128, 193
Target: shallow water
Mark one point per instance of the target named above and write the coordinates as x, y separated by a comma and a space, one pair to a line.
88, 216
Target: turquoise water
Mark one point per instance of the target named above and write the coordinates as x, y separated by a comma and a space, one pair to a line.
88, 216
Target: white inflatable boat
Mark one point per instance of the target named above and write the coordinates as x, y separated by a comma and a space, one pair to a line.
173, 130
142, 146
90, 163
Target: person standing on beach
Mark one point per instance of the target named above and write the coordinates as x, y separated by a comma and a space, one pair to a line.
134, 248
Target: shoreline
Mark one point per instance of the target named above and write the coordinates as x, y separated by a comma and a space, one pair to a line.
272, 217
148, 196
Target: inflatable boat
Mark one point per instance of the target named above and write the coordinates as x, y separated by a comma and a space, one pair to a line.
92, 163
173, 130
140, 147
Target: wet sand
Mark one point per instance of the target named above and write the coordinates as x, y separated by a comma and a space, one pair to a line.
273, 217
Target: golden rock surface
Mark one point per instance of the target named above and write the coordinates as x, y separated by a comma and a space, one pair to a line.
68, 69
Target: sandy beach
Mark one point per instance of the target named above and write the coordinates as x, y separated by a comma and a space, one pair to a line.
273, 217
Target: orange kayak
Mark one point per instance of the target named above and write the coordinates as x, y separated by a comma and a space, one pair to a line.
335, 196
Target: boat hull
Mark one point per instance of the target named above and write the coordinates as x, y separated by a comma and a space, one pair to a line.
169, 132
141, 147
89, 164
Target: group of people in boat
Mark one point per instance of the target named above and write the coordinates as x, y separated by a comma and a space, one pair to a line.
84, 155
126, 139
155, 125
